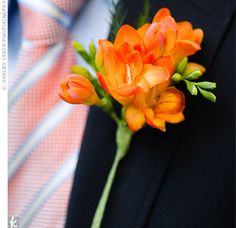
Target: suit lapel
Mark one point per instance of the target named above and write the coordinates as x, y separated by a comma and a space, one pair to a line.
142, 172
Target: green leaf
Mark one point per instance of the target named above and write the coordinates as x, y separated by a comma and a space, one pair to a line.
182, 64
117, 15
82, 71
206, 85
143, 17
177, 77
194, 75
208, 95
191, 88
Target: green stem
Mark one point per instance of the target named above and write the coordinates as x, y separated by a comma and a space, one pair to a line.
114, 117
123, 139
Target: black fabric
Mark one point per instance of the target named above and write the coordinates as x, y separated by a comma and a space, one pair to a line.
181, 178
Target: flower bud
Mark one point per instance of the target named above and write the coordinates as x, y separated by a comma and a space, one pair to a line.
191, 67
78, 90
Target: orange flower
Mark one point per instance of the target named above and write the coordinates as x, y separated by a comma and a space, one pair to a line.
123, 42
186, 32
161, 43
166, 106
136, 70
158, 106
78, 90
125, 75
181, 39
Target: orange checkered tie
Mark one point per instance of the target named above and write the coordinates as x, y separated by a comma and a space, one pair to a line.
44, 132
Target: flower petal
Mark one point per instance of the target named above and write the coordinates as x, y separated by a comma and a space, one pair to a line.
127, 34
167, 63
129, 90
171, 37
63, 92
172, 118
135, 118
82, 96
125, 49
185, 30
152, 76
155, 39
79, 81
125, 101
160, 124
182, 49
103, 44
170, 101
141, 48
153, 121
142, 30
124, 95
161, 14
114, 66
135, 63
104, 81
149, 58
170, 22
198, 36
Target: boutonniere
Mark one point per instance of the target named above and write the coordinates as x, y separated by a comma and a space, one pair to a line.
140, 69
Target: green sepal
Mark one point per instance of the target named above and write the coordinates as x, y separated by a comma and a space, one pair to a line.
82, 71
206, 85
92, 50
208, 95
81, 51
194, 75
78, 46
177, 77
181, 66
191, 88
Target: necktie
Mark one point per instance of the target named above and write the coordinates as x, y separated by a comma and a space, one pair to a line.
44, 132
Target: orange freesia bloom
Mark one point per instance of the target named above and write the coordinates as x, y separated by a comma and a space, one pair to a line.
162, 42
125, 74
136, 69
167, 107
156, 108
78, 90
180, 39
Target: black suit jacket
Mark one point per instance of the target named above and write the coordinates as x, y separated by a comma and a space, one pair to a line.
183, 178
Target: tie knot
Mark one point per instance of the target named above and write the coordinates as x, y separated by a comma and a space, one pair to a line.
46, 22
